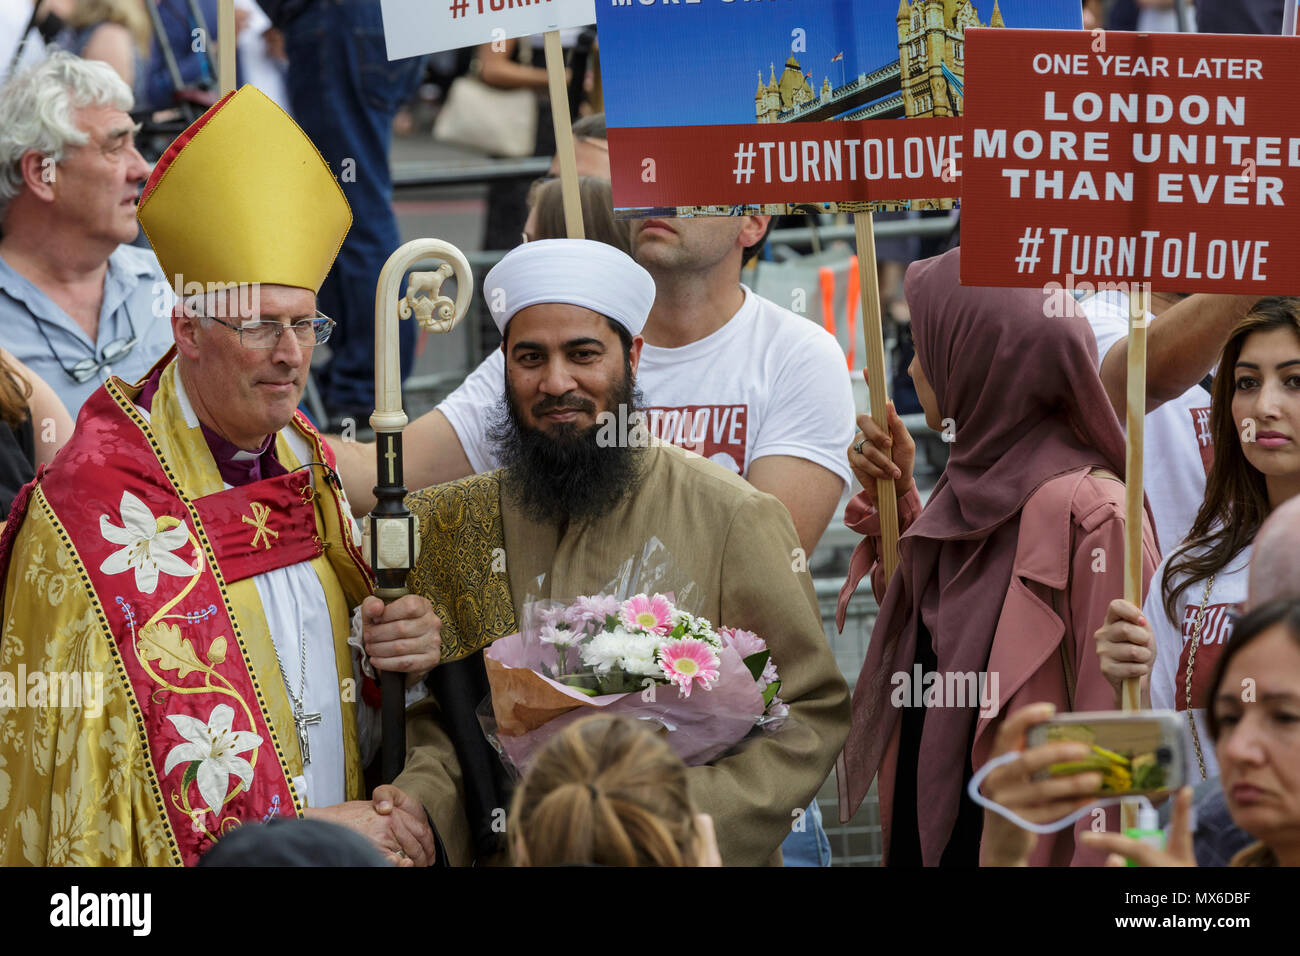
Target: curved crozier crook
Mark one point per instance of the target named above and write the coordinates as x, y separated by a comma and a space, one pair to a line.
423, 299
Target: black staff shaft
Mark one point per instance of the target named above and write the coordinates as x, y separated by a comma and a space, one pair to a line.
389, 519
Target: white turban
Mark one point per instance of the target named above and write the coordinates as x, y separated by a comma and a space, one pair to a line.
581, 272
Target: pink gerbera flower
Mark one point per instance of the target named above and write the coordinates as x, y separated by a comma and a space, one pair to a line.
652, 615
687, 662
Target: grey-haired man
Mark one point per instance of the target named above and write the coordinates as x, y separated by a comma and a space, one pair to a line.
78, 303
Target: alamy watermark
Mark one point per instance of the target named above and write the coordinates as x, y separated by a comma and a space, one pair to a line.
242, 300
960, 689
77, 909
622, 430
79, 690
1053, 309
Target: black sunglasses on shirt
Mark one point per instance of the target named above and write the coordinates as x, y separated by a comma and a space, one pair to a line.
87, 368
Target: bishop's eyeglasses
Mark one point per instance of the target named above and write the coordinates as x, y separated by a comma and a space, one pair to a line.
266, 335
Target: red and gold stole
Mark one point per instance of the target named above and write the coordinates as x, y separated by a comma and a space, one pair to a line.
167, 555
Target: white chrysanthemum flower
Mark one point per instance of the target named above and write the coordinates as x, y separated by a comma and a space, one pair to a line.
604, 650
641, 655
633, 653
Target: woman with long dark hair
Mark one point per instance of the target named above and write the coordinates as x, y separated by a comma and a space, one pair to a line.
1176, 638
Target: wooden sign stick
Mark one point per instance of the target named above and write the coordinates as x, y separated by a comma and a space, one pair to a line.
886, 502
226, 45
563, 135
1135, 421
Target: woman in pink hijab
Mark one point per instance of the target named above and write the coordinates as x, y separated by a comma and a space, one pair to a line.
1003, 576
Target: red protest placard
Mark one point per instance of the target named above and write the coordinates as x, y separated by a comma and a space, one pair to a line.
835, 161
1099, 158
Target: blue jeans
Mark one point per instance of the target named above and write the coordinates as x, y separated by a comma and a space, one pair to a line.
811, 847
345, 93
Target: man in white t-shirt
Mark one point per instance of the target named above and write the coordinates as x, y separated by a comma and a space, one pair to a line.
1184, 339
733, 377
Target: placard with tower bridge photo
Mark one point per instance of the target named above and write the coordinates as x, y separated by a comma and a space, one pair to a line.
735, 107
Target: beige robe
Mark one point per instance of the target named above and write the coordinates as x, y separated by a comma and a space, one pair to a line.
740, 548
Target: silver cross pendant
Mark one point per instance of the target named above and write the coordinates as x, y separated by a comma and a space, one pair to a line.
301, 721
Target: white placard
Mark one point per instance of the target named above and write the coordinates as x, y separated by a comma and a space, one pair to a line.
415, 27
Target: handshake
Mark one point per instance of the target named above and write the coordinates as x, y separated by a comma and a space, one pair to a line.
403, 636
393, 822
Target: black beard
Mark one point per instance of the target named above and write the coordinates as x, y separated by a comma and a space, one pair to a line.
565, 475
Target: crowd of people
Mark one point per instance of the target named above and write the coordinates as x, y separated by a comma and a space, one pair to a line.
188, 561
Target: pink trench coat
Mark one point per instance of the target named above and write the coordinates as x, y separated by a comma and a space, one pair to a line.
1069, 566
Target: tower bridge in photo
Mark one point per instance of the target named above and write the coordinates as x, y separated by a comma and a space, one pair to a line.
866, 88
925, 80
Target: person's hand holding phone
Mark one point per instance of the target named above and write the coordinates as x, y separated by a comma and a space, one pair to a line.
1039, 801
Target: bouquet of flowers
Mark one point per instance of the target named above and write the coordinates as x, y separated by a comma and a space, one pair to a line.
644, 657
628, 645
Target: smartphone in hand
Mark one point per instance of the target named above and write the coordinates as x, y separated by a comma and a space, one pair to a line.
1135, 751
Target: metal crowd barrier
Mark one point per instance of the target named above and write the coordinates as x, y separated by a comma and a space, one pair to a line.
925, 226
856, 843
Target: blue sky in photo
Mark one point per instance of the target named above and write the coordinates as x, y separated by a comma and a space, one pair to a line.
698, 64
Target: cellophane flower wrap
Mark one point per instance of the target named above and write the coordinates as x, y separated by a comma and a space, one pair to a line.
630, 649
